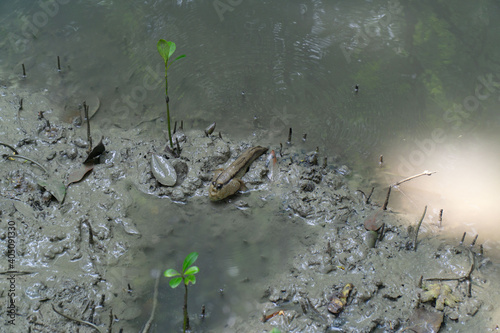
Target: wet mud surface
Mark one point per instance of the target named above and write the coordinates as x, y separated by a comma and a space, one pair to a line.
72, 255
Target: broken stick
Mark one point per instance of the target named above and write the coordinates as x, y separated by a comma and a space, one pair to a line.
425, 173
418, 228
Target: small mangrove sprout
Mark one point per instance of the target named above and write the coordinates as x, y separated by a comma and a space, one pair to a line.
166, 49
186, 276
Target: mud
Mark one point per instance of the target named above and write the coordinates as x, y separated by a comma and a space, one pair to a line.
75, 255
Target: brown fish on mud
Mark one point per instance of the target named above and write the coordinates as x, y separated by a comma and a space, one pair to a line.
228, 182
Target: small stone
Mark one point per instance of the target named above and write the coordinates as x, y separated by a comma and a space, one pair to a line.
72, 153
177, 195
453, 315
241, 204
51, 156
80, 143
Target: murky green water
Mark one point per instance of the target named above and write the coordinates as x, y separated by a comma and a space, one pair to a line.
427, 72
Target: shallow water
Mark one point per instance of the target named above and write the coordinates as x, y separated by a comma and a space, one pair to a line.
427, 100
239, 250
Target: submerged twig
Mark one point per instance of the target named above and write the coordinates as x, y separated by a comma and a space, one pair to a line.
425, 173
27, 159
77, 320
10, 147
441, 218
289, 141
418, 228
155, 302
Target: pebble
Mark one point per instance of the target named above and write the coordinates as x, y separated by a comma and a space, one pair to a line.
72, 153
80, 143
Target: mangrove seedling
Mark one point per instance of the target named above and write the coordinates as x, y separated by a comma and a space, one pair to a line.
166, 49
186, 276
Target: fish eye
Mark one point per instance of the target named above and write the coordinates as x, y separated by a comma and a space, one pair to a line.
219, 186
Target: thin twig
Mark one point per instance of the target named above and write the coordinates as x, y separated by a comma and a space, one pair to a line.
110, 326
384, 207
27, 159
155, 302
77, 320
369, 195
425, 173
89, 138
418, 228
474, 240
16, 273
463, 237
10, 147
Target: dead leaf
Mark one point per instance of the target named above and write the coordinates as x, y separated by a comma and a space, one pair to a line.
96, 152
55, 187
79, 173
423, 321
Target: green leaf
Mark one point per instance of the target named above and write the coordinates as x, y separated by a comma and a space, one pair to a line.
164, 49
175, 282
190, 278
275, 330
190, 259
171, 272
192, 270
179, 57
172, 47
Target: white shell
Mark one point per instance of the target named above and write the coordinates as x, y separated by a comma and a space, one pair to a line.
163, 171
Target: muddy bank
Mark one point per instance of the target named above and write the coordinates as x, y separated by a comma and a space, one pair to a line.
72, 246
